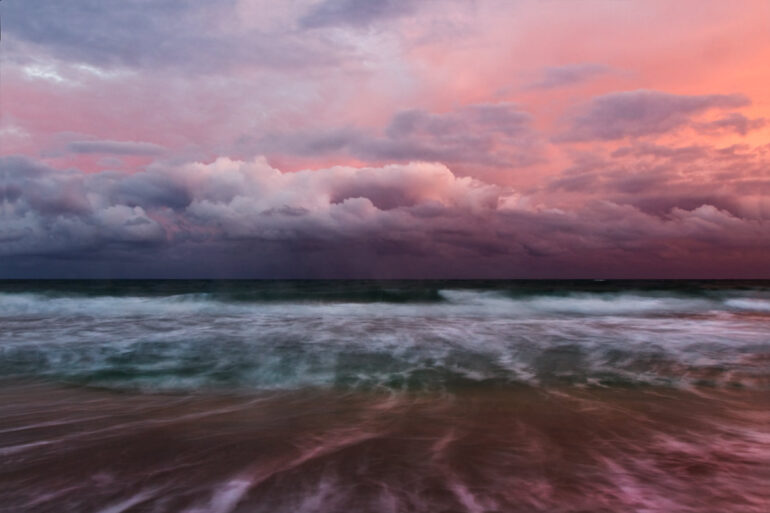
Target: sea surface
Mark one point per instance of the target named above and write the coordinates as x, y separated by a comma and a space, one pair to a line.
385, 396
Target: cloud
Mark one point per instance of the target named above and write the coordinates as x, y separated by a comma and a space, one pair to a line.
732, 122
486, 134
496, 135
418, 219
641, 113
355, 12
45, 211
157, 34
657, 179
115, 147
101, 33
561, 76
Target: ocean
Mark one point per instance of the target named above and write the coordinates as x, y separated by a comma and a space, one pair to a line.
384, 396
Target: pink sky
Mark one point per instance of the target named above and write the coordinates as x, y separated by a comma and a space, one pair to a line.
451, 138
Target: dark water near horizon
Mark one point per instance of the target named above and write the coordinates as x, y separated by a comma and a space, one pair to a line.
384, 396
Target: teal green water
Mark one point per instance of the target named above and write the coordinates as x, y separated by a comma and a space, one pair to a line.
190, 335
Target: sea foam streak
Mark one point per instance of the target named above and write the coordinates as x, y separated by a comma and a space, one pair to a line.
520, 450
191, 341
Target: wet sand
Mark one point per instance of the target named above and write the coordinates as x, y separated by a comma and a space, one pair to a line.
484, 448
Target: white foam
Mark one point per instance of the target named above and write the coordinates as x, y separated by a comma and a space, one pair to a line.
468, 499
14, 449
458, 302
319, 499
228, 495
750, 304
126, 504
191, 341
579, 303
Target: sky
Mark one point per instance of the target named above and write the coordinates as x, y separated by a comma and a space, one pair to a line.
385, 139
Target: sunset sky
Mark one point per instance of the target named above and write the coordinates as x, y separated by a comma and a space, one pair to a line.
385, 139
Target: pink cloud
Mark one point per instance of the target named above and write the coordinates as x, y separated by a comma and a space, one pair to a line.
655, 109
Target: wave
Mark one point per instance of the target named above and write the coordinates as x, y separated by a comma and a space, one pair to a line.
749, 304
461, 337
439, 301
386, 352
582, 303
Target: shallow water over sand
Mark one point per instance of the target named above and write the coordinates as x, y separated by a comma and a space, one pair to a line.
527, 449
359, 396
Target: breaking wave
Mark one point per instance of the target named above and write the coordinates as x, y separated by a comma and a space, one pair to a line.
385, 336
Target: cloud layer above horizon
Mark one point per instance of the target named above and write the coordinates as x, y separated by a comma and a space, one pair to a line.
352, 138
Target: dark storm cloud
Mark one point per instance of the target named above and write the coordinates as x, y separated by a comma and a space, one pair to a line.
59, 212
147, 190
355, 12
641, 113
28, 180
249, 219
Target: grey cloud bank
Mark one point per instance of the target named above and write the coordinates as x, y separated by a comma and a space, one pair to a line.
246, 219
495, 134
640, 113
